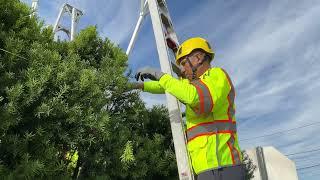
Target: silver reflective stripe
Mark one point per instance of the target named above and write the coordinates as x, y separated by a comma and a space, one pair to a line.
217, 151
211, 127
234, 151
231, 96
206, 102
231, 110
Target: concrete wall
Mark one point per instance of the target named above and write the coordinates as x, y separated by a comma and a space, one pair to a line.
276, 165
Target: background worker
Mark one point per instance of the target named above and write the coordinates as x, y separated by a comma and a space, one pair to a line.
208, 94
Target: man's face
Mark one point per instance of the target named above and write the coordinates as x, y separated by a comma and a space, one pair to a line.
194, 58
186, 69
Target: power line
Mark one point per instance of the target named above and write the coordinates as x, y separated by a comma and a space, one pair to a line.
308, 167
304, 158
307, 173
280, 132
313, 150
13, 54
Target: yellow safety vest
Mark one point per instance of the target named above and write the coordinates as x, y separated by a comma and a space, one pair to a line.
72, 156
210, 117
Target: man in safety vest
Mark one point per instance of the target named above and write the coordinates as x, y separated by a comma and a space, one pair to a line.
209, 95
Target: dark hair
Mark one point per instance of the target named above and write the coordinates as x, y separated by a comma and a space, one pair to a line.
207, 57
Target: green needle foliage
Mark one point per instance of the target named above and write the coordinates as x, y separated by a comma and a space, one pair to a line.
249, 166
58, 98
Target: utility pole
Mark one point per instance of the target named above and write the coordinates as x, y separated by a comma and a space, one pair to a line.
167, 45
75, 15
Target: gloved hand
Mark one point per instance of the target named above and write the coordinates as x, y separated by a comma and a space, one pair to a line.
135, 85
148, 73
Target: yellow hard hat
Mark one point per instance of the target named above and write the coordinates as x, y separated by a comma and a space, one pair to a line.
191, 44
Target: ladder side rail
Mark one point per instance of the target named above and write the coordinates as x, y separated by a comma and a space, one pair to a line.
173, 105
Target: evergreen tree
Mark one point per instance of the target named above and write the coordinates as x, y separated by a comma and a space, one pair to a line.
58, 99
249, 166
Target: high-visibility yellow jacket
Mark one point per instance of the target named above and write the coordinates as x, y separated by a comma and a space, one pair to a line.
72, 156
210, 117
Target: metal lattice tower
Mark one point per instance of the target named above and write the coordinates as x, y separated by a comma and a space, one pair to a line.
34, 7
75, 15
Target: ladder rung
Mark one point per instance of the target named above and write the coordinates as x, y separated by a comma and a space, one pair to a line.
172, 44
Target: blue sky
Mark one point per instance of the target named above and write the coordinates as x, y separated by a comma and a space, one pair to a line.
269, 47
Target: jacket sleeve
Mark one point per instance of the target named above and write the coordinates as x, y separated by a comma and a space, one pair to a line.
181, 89
153, 87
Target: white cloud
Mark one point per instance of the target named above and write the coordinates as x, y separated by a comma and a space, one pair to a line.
154, 99
121, 25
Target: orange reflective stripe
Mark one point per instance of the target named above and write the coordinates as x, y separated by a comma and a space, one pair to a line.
209, 128
205, 99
